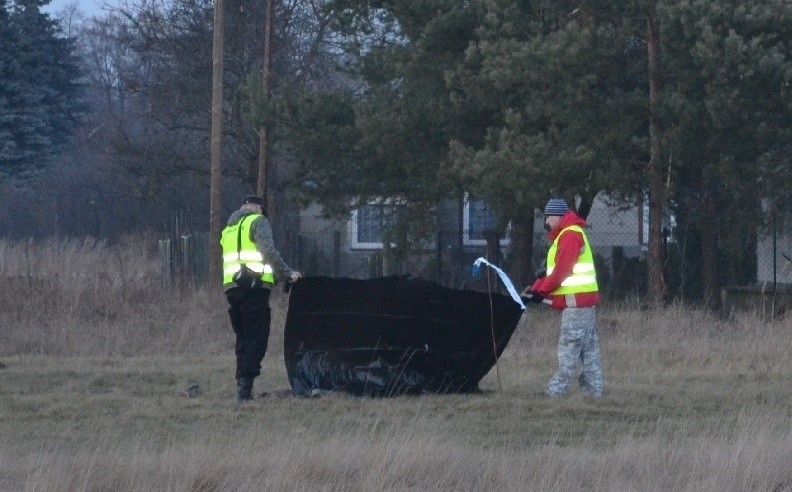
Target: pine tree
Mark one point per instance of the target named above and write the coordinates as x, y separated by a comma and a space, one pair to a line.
727, 109
39, 88
8, 84
386, 133
561, 84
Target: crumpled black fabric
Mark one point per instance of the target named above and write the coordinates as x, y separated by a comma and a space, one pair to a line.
392, 336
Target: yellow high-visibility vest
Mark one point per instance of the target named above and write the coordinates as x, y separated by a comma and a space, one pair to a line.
239, 249
583, 277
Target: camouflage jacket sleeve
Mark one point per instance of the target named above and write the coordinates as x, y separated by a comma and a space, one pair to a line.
262, 236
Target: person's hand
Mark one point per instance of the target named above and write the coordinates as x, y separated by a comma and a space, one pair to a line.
534, 296
295, 276
530, 295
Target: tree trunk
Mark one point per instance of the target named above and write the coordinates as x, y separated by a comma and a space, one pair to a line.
215, 182
264, 132
493, 252
522, 251
586, 202
709, 239
657, 192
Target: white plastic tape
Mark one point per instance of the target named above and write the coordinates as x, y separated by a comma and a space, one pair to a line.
504, 278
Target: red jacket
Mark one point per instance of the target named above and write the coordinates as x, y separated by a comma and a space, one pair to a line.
569, 248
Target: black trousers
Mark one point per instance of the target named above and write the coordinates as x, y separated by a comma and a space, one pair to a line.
250, 318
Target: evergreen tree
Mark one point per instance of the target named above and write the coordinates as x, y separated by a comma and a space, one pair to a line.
563, 88
385, 132
8, 83
39, 88
510, 101
513, 101
728, 111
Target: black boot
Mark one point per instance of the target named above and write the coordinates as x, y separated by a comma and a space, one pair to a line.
244, 390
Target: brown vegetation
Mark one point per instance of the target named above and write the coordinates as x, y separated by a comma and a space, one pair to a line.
94, 359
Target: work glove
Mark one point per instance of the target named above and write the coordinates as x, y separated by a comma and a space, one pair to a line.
533, 296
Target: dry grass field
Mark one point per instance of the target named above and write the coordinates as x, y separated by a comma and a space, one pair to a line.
94, 354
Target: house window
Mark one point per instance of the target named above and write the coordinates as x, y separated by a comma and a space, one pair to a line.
369, 224
477, 218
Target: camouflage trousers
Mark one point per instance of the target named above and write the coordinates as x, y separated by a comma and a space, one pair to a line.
578, 343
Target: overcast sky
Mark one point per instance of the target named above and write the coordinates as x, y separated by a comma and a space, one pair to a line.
88, 7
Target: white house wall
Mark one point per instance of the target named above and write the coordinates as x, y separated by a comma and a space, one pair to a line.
609, 229
764, 258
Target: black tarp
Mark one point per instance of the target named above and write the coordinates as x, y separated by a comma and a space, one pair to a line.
392, 335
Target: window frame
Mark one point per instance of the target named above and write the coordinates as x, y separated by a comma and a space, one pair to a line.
466, 239
353, 224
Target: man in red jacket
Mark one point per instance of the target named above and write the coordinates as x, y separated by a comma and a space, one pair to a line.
570, 286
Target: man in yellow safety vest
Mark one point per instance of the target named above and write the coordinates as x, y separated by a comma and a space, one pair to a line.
251, 265
570, 286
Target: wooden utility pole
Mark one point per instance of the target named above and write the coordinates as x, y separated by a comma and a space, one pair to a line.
216, 170
657, 194
264, 132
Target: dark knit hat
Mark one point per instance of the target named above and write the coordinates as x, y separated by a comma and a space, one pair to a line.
255, 200
556, 206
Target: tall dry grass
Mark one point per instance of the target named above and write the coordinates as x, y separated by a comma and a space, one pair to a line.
93, 368
78, 298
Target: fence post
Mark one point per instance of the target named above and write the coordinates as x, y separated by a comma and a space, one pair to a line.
187, 252
387, 263
165, 261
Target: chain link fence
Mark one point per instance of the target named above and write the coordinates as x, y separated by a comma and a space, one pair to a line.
619, 238
330, 249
